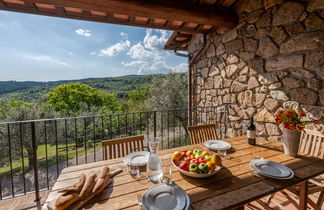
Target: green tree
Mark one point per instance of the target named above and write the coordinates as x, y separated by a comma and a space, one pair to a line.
68, 99
136, 99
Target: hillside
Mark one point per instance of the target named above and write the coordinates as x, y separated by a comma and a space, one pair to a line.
29, 91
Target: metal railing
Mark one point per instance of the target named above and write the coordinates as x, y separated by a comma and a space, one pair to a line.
34, 152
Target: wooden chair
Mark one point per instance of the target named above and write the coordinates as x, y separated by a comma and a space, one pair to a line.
311, 143
200, 133
116, 148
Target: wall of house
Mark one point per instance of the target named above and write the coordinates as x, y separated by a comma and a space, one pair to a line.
274, 58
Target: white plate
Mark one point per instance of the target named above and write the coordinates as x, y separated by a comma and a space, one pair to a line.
160, 197
197, 175
217, 144
272, 169
137, 158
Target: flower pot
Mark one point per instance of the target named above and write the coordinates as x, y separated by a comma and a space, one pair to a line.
291, 140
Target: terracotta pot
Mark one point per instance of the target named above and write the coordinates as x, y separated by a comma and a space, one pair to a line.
291, 140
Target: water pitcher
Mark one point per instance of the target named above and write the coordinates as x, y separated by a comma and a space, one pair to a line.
154, 165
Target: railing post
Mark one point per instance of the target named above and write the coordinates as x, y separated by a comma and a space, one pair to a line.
154, 123
34, 146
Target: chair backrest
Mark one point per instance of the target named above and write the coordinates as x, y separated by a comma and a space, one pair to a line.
200, 133
312, 143
116, 148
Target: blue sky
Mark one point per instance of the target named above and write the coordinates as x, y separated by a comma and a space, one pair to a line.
41, 48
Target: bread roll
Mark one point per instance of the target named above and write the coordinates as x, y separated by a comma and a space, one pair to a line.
88, 185
65, 200
101, 180
77, 187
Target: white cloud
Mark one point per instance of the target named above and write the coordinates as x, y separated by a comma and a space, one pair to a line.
137, 51
154, 42
46, 58
93, 53
115, 49
124, 35
182, 67
83, 32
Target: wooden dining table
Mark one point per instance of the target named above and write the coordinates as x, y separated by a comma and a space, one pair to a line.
235, 185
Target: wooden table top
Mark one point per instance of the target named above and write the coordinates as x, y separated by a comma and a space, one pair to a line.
234, 185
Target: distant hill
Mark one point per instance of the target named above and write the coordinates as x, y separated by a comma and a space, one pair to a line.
30, 91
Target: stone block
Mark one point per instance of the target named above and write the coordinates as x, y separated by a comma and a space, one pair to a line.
253, 83
271, 104
245, 70
275, 86
303, 74
209, 84
320, 72
202, 63
237, 87
232, 34
314, 22
279, 95
288, 13
218, 82
314, 84
304, 96
257, 64
227, 83
278, 35
292, 83
220, 49
271, 3
306, 41
254, 16
259, 99
264, 20
291, 104
231, 70
245, 99
264, 115
246, 56
261, 32
234, 45
314, 58
321, 97
213, 71
232, 59
252, 5
204, 72
267, 78
284, 63
267, 48
273, 129
250, 44
295, 28
242, 79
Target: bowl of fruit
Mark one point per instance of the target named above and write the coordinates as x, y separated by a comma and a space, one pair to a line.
196, 163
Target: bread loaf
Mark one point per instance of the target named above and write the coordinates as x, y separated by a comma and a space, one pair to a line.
65, 200
88, 185
77, 187
101, 180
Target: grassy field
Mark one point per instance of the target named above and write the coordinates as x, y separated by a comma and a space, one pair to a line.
51, 157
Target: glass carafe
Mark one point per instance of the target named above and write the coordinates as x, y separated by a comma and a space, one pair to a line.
154, 165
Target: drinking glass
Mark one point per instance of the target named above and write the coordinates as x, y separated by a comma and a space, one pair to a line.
257, 153
259, 135
133, 168
167, 175
222, 153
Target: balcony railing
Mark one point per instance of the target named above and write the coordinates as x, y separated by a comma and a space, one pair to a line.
34, 152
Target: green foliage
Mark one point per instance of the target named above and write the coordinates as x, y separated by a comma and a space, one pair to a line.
68, 98
169, 91
136, 99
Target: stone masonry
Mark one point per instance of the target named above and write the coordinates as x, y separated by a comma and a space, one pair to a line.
273, 59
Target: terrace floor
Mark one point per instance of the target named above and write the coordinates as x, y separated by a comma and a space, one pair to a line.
26, 202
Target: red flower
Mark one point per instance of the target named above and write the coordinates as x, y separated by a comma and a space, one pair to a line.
300, 127
317, 122
289, 113
278, 121
289, 125
302, 114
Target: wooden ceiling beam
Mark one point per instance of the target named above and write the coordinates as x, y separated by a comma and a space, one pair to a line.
162, 9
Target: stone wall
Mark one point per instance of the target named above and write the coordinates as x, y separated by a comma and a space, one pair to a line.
274, 58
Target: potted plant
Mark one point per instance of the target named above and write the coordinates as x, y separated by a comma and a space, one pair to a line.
293, 124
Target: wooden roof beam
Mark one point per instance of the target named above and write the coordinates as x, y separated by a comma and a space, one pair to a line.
162, 9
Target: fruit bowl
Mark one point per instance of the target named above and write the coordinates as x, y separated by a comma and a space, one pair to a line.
196, 162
